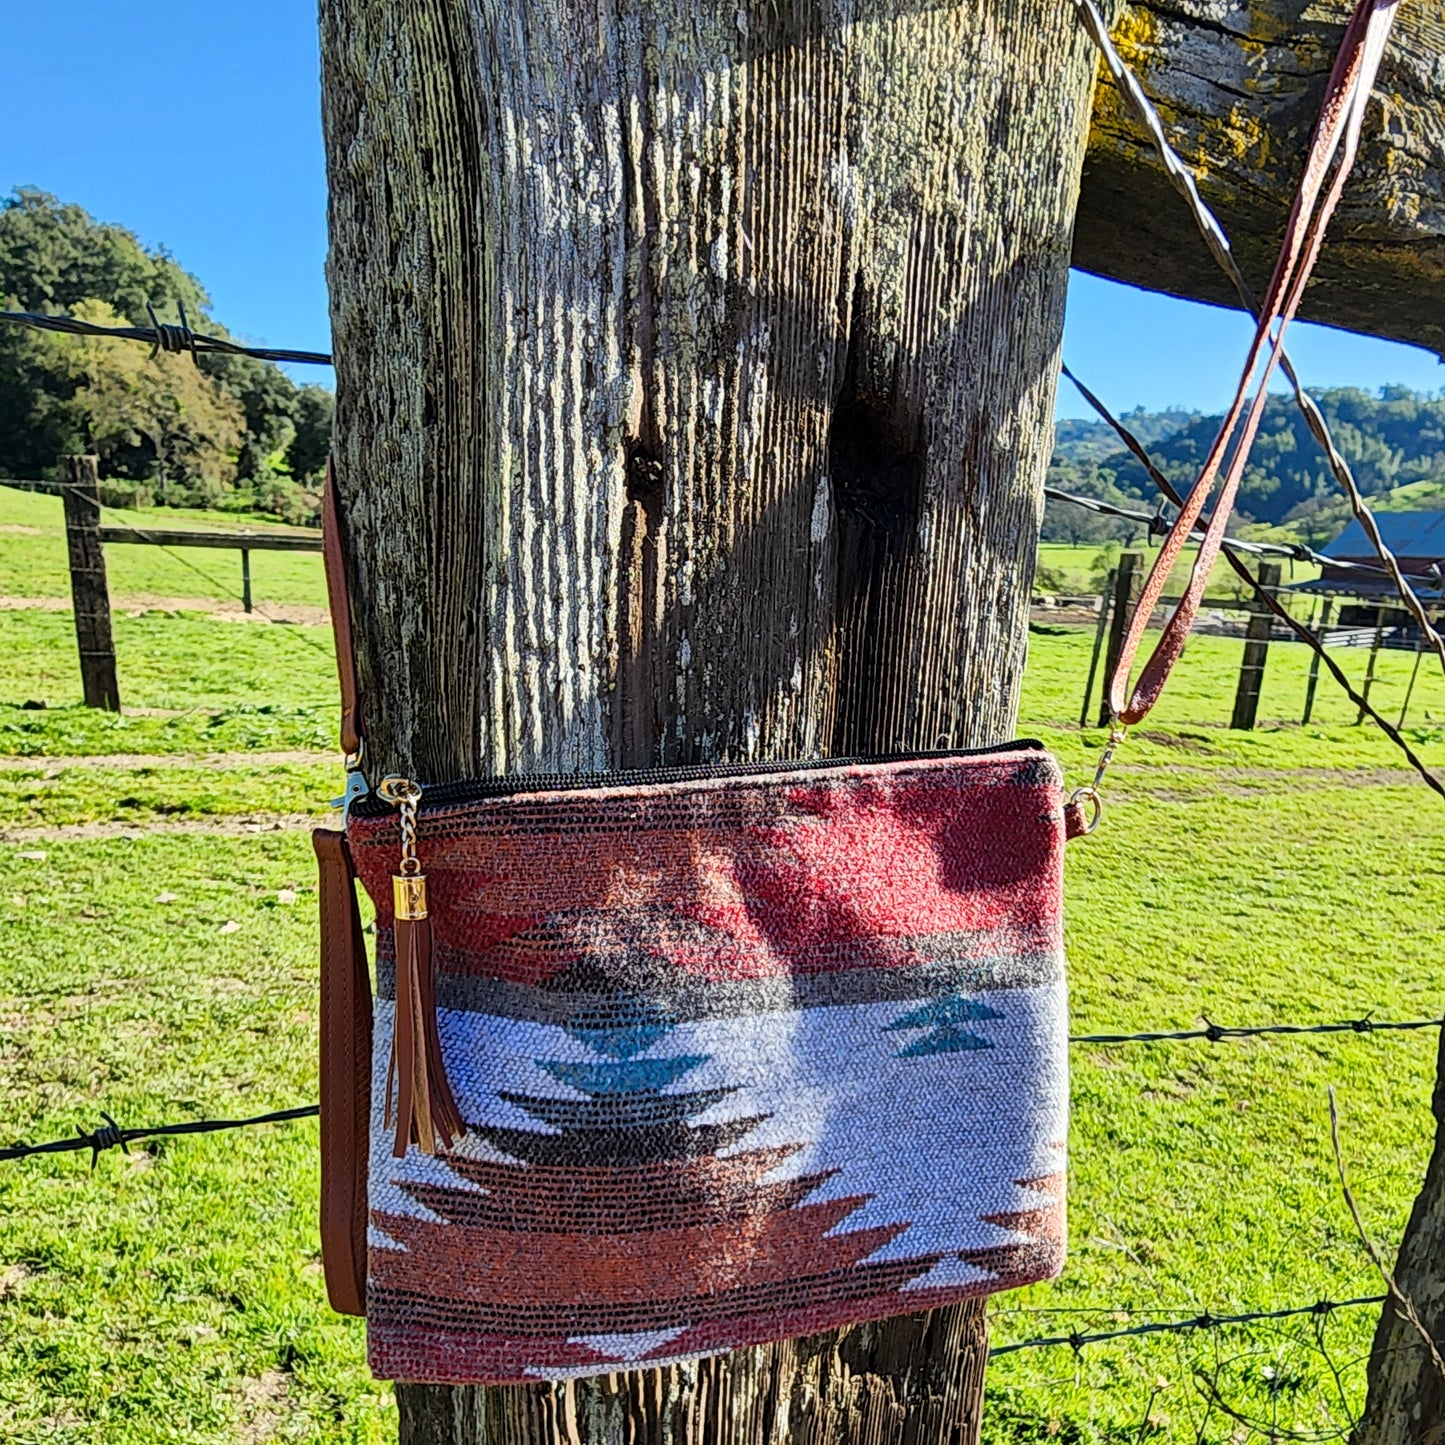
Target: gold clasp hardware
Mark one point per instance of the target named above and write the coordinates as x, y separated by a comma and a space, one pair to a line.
1091, 794
408, 896
404, 795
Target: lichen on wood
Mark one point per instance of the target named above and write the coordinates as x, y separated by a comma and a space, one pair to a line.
1238, 84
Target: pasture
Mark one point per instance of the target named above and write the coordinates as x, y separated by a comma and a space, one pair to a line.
159, 913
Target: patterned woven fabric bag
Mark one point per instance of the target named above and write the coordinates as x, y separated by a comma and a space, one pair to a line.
665, 1064
728, 1058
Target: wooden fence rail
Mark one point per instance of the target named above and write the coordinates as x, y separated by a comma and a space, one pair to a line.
244, 542
86, 540
247, 541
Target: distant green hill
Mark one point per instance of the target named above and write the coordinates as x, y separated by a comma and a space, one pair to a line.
1394, 440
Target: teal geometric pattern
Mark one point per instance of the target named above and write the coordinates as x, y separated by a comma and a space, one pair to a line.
628, 1117
944, 1018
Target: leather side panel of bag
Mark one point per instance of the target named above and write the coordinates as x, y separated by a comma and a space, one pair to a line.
345, 1076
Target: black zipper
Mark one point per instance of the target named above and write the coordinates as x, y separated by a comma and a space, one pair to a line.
437, 795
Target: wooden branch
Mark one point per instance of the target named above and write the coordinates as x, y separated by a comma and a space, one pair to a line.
1238, 83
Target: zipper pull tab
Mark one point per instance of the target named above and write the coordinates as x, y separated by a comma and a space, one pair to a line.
426, 1112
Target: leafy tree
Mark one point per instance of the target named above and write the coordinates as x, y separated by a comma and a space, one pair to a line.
54, 256
232, 431
147, 419
315, 409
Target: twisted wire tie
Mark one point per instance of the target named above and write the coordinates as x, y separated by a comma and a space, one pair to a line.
109, 1136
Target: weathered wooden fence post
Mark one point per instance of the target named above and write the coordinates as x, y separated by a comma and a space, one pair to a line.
1406, 1400
695, 377
1100, 629
1128, 578
89, 595
1370, 667
1256, 652
1321, 632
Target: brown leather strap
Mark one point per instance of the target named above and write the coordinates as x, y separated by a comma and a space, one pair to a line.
1338, 132
339, 601
345, 1077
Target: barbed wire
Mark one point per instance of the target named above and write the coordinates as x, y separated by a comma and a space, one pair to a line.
1217, 1033
1206, 1321
1158, 524
162, 336
111, 1135
1219, 246
1264, 596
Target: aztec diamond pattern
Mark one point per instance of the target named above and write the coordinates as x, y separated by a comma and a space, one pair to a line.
740, 1060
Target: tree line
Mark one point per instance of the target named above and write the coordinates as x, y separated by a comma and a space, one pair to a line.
230, 432
1393, 438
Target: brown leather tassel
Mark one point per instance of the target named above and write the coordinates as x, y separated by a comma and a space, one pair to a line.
426, 1112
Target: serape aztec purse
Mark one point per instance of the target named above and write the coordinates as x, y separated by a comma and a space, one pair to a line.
665, 1064
736, 1056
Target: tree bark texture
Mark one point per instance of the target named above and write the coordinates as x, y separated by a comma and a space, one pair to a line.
1238, 84
695, 373
1406, 1400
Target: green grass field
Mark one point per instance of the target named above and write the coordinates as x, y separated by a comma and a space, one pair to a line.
32, 557
160, 917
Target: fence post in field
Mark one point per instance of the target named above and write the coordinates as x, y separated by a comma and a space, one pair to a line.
80, 478
1256, 650
1325, 613
1370, 669
1098, 643
1415, 671
246, 578
1127, 580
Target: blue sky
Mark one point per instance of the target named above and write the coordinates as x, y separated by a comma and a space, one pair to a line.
197, 125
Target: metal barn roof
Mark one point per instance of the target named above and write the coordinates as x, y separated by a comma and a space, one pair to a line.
1406, 534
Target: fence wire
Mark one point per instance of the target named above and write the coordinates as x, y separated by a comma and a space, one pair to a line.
1157, 523
1217, 240
162, 336
112, 1136
1076, 1341
1218, 1033
1263, 596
